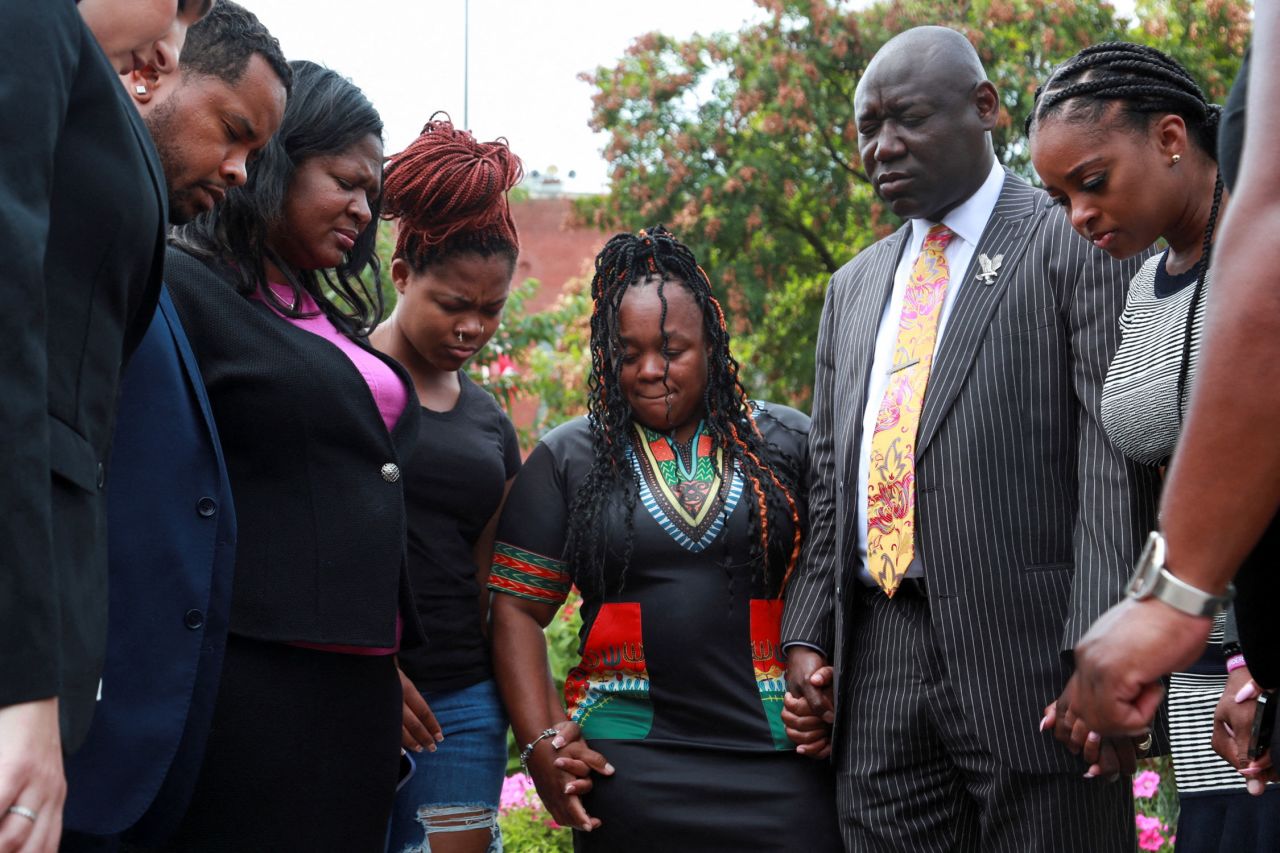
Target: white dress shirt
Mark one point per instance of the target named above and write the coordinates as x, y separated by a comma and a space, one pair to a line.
968, 220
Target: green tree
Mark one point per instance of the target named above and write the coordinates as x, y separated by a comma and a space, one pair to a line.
745, 143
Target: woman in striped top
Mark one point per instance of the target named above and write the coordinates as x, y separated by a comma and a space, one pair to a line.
1125, 139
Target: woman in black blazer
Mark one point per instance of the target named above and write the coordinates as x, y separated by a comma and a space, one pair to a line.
82, 207
276, 288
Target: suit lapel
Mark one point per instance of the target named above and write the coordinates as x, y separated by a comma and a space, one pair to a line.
870, 298
1012, 221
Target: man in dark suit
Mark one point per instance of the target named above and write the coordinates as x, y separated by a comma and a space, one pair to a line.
82, 213
968, 517
170, 523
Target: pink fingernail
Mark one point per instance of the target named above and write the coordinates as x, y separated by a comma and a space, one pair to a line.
1256, 786
608, 768
1044, 721
568, 789
1094, 737
1246, 693
1089, 774
557, 742
1230, 730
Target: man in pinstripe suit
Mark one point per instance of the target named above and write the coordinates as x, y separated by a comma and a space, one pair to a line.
1024, 521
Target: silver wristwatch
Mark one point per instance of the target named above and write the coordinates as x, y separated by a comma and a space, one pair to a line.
1152, 580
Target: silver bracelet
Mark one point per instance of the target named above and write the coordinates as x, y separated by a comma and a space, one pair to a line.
528, 748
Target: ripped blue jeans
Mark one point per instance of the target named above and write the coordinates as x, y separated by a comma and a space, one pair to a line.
457, 787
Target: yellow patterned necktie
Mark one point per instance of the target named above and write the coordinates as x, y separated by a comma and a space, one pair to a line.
891, 486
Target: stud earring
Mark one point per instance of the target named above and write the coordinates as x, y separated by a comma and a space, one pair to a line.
1173, 161
140, 89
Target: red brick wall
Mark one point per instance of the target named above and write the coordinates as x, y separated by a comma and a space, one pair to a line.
553, 252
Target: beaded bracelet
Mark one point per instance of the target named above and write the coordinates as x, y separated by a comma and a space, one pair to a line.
1235, 662
528, 748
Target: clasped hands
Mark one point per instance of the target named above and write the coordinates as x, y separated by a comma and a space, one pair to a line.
1116, 687
561, 768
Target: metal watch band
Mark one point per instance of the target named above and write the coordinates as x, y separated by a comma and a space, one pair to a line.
1181, 595
1152, 580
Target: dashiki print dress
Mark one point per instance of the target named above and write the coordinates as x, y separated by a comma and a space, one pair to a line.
680, 681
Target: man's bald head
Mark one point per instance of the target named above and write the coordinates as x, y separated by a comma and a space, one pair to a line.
934, 51
925, 110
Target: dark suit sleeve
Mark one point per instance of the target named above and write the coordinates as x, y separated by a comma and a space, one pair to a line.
1117, 497
33, 98
807, 617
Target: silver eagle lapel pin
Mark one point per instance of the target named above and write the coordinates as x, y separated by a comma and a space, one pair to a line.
990, 268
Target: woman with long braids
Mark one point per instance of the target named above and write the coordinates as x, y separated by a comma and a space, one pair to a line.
276, 288
1126, 140
455, 254
676, 506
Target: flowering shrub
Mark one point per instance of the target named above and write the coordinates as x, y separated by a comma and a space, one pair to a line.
1155, 802
526, 825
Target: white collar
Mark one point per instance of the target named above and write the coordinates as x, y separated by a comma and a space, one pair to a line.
969, 218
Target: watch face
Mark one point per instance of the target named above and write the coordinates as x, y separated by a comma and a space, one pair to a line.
1147, 573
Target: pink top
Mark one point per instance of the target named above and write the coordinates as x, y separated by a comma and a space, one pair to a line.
389, 394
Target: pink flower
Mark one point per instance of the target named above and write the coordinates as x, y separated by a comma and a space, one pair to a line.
1150, 839
518, 792
504, 366
1147, 824
1146, 783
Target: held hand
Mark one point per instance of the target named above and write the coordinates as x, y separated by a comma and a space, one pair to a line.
1119, 662
1106, 758
810, 733
561, 780
1233, 726
810, 678
577, 759
418, 727
31, 777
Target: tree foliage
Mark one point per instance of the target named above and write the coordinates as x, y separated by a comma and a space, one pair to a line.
745, 144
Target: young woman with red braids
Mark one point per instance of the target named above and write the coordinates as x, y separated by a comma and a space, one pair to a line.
677, 508
454, 258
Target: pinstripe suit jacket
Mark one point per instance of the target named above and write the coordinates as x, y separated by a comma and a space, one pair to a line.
1028, 520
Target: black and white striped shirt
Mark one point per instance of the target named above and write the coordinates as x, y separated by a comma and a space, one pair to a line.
1141, 414
1140, 407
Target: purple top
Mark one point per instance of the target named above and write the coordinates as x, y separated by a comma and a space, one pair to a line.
389, 394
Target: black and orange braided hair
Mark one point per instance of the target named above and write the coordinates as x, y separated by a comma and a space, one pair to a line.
633, 260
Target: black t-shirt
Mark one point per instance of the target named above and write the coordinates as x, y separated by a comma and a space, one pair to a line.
454, 479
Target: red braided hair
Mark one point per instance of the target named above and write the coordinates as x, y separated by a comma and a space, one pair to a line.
446, 186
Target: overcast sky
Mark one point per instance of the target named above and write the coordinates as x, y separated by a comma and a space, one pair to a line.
525, 56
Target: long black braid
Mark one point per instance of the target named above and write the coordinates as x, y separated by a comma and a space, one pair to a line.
1144, 83
632, 260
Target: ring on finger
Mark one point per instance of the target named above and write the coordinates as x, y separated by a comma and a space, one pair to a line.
22, 811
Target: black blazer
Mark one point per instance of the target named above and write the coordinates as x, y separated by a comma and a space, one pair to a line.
82, 210
320, 556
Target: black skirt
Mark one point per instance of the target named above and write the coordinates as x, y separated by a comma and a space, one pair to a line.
303, 753
675, 799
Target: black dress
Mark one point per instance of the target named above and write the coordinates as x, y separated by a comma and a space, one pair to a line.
680, 682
